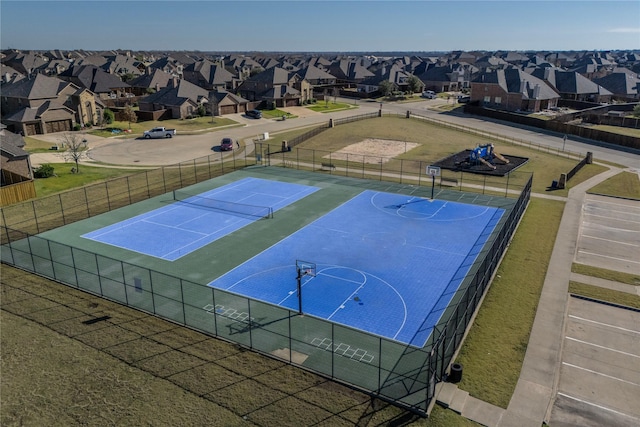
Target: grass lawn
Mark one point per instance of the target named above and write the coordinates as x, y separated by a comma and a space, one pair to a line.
602, 294
276, 114
601, 273
65, 180
625, 184
328, 106
618, 129
494, 349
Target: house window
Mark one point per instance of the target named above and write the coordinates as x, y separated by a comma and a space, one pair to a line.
498, 100
487, 99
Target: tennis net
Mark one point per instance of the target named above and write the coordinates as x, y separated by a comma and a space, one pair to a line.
223, 205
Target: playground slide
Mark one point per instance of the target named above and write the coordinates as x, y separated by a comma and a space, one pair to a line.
501, 157
484, 162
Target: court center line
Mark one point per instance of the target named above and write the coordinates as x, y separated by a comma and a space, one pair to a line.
602, 347
605, 324
596, 405
608, 257
601, 374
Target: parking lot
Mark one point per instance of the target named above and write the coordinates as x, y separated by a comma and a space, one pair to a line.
599, 381
610, 234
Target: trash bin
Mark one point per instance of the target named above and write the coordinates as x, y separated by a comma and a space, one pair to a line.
456, 373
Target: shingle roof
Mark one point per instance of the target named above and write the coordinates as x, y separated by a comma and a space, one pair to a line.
38, 87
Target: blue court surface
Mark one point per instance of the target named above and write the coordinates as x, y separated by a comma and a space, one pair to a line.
387, 264
184, 226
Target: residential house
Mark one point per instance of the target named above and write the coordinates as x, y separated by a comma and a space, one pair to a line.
181, 99
276, 87
349, 72
43, 104
208, 75
572, 86
623, 83
394, 74
514, 90
106, 86
14, 160
317, 76
25, 63
223, 102
449, 78
150, 82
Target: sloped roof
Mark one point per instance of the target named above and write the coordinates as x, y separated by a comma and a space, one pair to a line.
314, 73
227, 98
513, 80
569, 82
177, 94
271, 76
38, 87
620, 83
11, 144
155, 77
93, 78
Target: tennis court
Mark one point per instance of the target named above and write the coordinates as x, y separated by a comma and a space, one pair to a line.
196, 220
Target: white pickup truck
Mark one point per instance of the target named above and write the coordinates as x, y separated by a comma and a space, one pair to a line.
159, 132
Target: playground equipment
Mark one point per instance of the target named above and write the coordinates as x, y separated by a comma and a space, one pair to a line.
486, 154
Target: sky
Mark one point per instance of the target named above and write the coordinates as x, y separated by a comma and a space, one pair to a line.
321, 26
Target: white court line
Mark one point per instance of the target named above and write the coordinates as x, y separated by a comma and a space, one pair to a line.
597, 406
600, 373
603, 347
612, 241
605, 324
609, 257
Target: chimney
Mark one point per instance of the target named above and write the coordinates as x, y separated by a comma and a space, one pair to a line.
522, 86
536, 91
547, 73
175, 81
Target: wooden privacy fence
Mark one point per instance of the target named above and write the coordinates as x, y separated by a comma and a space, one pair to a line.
14, 193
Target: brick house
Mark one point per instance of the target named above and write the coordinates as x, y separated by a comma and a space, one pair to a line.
514, 90
43, 104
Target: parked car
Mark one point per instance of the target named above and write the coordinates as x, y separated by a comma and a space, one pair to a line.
254, 114
159, 132
226, 144
429, 94
463, 99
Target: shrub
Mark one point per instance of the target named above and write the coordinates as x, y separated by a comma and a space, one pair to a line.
44, 171
108, 116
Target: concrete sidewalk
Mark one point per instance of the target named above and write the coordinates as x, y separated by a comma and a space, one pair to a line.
534, 395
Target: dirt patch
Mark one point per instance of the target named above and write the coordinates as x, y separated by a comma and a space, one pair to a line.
373, 150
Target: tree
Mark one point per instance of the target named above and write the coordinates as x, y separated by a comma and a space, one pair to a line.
386, 87
75, 148
415, 84
129, 114
108, 116
636, 111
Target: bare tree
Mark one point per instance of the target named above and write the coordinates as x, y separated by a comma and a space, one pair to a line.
75, 148
129, 114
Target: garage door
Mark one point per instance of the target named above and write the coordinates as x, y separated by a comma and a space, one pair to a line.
59, 126
227, 109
